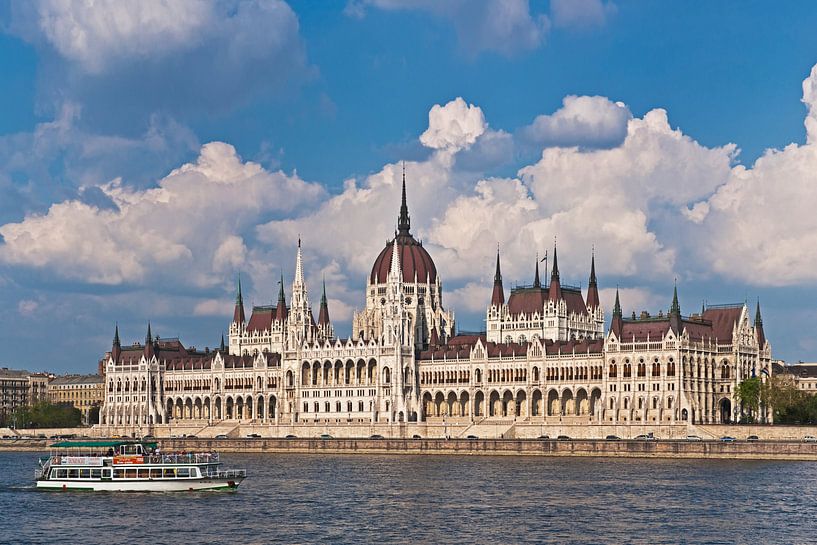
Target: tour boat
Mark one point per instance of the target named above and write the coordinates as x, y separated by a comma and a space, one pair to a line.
131, 466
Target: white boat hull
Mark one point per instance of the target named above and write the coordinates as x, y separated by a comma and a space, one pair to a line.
188, 485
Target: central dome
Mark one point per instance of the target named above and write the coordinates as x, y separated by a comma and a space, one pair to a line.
414, 259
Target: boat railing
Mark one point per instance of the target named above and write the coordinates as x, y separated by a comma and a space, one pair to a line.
187, 458
227, 474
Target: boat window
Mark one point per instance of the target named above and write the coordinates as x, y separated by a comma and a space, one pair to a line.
130, 473
106, 473
169, 473
118, 473
73, 473
53, 473
85, 473
155, 473
96, 473
194, 472
62, 473
183, 472
144, 473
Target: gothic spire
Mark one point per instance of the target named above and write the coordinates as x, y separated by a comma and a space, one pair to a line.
116, 349
323, 314
238, 313
498, 296
281, 308
148, 350
555, 289
404, 221
617, 323
299, 269
592, 286
761, 336
617, 305
675, 312
536, 282
675, 308
222, 347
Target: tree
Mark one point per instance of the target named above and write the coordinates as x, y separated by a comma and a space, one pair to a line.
47, 415
748, 394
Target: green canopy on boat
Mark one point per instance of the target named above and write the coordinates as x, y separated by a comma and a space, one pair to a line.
98, 444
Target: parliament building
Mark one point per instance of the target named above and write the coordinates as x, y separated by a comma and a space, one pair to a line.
544, 357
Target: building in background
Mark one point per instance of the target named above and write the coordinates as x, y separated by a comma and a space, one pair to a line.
20, 388
85, 392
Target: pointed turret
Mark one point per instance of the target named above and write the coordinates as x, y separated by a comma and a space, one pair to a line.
222, 348
281, 308
395, 270
555, 290
592, 287
323, 314
536, 282
617, 323
148, 350
498, 296
299, 269
238, 313
434, 339
116, 348
761, 335
675, 312
404, 221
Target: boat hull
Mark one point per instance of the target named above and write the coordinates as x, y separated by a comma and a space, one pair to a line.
188, 485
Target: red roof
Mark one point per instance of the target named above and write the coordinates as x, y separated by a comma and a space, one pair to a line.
414, 259
261, 319
460, 346
723, 321
531, 299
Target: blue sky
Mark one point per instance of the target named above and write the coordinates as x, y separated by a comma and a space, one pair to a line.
284, 119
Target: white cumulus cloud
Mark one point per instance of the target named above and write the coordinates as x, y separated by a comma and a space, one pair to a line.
586, 121
454, 126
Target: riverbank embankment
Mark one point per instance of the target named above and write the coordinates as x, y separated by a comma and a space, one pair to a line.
742, 450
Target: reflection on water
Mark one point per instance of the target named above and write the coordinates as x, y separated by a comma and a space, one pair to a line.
434, 499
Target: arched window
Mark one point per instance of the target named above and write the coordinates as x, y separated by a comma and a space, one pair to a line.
386, 375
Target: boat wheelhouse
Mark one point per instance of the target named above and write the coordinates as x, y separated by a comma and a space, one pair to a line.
131, 466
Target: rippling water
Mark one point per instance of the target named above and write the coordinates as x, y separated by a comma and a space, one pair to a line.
434, 499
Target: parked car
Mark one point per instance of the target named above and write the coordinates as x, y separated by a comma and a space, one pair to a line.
415, 436
290, 436
472, 437
613, 438
376, 436
753, 438
221, 436
253, 435
326, 436
727, 439
809, 439
544, 437
563, 438
694, 438
191, 436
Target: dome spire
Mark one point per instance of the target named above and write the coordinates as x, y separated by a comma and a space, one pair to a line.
404, 221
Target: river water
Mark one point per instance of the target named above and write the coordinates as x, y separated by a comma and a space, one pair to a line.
433, 499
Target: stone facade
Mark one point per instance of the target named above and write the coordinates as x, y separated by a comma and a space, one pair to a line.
84, 392
544, 357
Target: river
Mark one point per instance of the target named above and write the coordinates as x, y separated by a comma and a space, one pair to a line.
433, 499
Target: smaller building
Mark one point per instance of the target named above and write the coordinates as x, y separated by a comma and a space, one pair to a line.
85, 392
20, 388
804, 375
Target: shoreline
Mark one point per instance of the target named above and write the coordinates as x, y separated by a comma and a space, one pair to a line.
581, 448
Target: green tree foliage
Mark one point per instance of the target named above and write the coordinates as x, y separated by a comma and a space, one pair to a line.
47, 415
748, 394
791, 405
